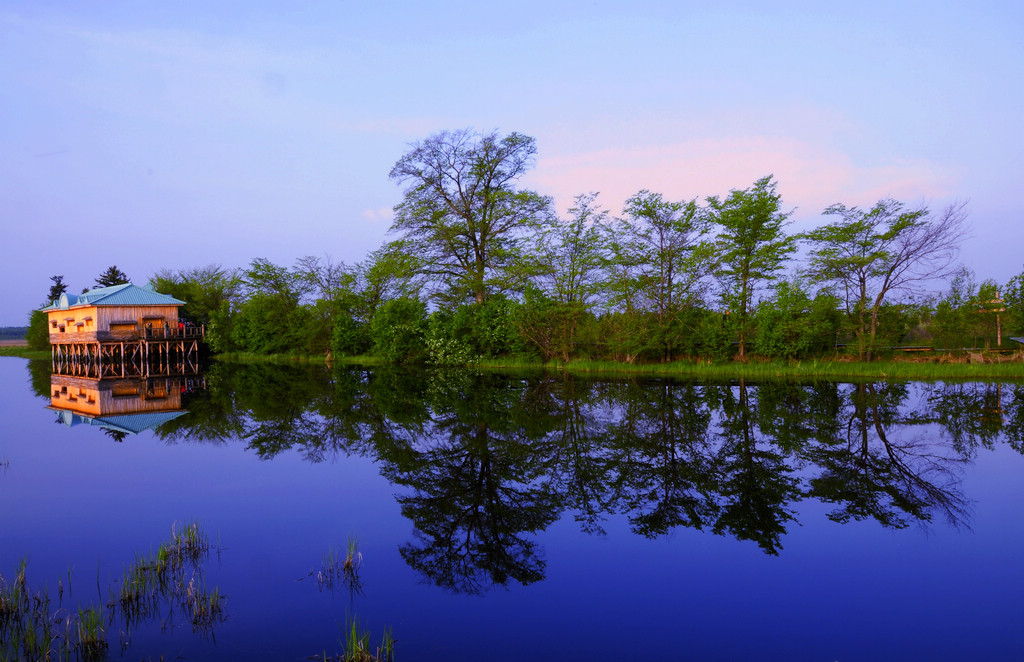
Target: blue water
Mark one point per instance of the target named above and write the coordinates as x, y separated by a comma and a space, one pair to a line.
74, 500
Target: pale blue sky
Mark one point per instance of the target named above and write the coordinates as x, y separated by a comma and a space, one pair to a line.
179, 134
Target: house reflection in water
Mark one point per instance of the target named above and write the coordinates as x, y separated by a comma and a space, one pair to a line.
121, 406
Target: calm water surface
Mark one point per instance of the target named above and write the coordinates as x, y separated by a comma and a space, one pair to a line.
533, 517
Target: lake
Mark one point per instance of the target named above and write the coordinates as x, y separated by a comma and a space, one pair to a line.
523, 516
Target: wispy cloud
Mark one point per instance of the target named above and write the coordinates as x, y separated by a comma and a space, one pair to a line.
810, 176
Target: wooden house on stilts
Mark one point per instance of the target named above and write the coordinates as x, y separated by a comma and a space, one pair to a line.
121, 331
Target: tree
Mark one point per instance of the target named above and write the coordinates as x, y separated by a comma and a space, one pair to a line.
58, 288
210, 294
886, 249
112, 276
791, 324
660, 258
398, 328
752, 248
1014, 298
271, 319
462, 213
567, 257
38, 332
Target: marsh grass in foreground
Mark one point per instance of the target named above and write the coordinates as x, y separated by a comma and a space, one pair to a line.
356, 646
32, 628
170, 580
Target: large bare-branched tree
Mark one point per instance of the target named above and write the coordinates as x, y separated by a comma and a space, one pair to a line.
870, 254
463, 214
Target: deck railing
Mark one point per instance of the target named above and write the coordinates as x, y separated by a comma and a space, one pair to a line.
174, 332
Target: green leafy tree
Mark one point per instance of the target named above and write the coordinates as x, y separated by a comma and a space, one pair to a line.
462, 213
112, 276
871, 254
661, 257
568, 258
967, 314
210, 293
389, 273
1013, 296
398, 329
752, 248
791, 324
330, 284
271, 318
38, 334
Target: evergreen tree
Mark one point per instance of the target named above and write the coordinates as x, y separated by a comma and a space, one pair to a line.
112, 276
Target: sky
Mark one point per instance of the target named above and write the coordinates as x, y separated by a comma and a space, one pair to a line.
182, 134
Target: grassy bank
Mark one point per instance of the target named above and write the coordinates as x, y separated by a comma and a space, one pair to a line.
241, 357
23, 351
944, 366
933, 366
815, 369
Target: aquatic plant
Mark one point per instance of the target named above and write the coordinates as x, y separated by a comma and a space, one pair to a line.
353, 559
168, 580
356, 645
335, 568
91, 637
191, 543
159, 580
32, 629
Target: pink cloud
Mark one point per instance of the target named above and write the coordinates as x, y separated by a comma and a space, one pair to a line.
809, 177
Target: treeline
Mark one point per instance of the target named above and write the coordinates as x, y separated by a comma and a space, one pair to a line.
478, 267
12, 332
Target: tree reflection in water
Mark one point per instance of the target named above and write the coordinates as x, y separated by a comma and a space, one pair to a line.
487, 461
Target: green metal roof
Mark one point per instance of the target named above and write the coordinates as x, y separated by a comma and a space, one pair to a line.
129, 423
116, 295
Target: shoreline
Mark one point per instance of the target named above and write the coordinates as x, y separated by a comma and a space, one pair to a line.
945, 366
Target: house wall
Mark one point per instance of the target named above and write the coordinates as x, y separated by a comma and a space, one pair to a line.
92, 323
106, 398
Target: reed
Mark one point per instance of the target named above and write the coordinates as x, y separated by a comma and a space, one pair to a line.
190, 544
330, 570
91, 638
204, 608
353, 559
357, 642
356, 645
159, 581
29, 624
335, 568
31, 628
